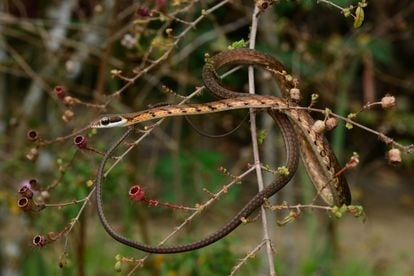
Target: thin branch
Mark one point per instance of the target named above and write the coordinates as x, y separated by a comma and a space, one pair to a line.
178, 38
255, 147
249, 255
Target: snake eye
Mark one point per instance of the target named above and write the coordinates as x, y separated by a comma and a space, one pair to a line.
105, 121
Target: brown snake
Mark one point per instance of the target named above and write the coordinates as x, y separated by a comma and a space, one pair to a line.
318, 158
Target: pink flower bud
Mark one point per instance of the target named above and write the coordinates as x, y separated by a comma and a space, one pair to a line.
81, 141
136, 193
60, 92
39, 240
143, 11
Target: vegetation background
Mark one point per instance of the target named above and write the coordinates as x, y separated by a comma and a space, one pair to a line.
80, 45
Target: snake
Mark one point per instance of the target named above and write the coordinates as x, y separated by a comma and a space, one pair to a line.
296, 129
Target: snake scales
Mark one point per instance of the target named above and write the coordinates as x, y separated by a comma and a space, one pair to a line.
295, 124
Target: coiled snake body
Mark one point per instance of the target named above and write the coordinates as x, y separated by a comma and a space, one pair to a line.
295, 124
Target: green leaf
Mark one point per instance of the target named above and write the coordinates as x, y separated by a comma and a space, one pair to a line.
359, 17
261, 136
238, 44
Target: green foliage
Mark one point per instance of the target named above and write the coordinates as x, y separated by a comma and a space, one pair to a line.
238, 44
217, 259
196, 169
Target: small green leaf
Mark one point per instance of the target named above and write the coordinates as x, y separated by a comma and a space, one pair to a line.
336, 211
347, 12
118, 266
359, 17
350, 116
314, 98
238, 44
357, 211
261, 136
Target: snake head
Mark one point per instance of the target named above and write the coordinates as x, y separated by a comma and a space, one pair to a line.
110, 121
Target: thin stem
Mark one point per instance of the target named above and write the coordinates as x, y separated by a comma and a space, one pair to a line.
247, 257
213, 198
178, 38
407, 149
255, 147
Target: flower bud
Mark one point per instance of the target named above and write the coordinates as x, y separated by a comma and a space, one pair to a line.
128, 41
34, 184
394, 156
68, 115
81, 141
136, 193
161, 4
32, 135
39, 240
45, 195
294, 94
331, 123
263, 4
33, 154
68, 101
353, 161
388, 102
143, 11
60, 92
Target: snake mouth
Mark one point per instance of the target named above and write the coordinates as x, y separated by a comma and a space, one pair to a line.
110, 121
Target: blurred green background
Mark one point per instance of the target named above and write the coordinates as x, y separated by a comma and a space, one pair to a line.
76, 44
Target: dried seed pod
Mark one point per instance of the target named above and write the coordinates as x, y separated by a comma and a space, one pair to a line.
68, 115
39, 240
26, 192
32, 135
394, 156
81, 141
33, 154
26, 204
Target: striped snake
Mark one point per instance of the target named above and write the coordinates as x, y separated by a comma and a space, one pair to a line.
295, 124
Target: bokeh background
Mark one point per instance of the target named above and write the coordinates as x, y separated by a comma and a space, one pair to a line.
79, 45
